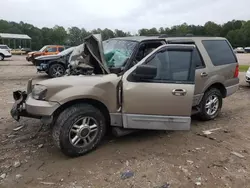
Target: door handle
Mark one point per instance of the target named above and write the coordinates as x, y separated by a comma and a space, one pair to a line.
179, 92
204, 74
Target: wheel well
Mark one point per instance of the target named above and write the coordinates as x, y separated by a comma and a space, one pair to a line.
99, 105
55, 62
220, 87
1, 54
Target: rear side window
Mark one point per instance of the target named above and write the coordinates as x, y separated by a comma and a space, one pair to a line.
219, 52
60, 49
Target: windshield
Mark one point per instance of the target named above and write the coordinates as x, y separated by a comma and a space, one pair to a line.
4, 47
117, 52
67, 51
43, 48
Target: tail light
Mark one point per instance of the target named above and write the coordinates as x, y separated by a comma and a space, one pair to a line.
236, 72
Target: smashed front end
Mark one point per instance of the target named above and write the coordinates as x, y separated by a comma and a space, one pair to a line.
88, 58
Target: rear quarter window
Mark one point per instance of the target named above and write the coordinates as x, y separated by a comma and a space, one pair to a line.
219, 52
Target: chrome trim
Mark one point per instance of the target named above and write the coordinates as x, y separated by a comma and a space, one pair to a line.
156, 122
232, 89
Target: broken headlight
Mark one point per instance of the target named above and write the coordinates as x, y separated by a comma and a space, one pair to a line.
39, 92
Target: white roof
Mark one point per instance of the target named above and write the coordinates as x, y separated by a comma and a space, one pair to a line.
14, 36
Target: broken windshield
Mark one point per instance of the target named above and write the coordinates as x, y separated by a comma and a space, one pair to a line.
116, 52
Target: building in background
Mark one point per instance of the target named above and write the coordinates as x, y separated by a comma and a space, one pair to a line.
15, 41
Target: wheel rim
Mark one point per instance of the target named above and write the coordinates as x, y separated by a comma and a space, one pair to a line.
83, 132
212, 105
1, 57
57, 71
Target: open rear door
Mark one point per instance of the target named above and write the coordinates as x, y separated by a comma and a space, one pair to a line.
165, 101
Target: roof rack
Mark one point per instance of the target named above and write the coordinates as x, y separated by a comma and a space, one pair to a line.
166, 35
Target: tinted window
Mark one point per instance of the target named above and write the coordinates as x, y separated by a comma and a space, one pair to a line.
60, 49
219, 52
197, 59
52, 49
172, 65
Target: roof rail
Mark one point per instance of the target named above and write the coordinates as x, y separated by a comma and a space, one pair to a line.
185, 35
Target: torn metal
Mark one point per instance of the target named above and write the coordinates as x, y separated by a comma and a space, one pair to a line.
88, 58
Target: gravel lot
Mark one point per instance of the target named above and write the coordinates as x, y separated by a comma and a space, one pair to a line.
157, 159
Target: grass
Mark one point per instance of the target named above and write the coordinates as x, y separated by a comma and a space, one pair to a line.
243, 68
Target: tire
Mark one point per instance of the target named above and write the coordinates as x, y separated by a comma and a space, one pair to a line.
56, 70
1, 57
204, 113
63, 134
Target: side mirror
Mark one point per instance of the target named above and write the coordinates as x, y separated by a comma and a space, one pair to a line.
46, 51
145, 72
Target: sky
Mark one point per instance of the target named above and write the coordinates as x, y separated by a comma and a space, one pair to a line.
128, 15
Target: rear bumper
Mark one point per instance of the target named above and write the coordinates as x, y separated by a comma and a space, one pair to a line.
232, 89
26, 106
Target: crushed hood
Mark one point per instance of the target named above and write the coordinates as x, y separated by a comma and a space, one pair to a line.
89, 55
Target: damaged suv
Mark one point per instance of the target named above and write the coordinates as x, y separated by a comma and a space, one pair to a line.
131, 83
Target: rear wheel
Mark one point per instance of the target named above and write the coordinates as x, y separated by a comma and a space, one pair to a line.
56, 70
1, 57
79, 129
210, 105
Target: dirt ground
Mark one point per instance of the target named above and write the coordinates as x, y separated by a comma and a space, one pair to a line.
156, 159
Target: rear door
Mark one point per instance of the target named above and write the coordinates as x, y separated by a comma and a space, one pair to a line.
201, 73
165, 102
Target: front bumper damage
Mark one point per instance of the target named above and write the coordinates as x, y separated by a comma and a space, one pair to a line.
19, 107
26, 106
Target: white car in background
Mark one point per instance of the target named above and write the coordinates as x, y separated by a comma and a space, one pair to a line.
248, 76
239, 50
5, 52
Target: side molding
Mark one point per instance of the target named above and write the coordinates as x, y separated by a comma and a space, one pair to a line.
153, 122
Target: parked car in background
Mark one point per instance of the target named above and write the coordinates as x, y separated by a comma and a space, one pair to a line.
239, 50
54, 65
46, 50
137, 82
247, 49
5, 52
26, 50
248, 76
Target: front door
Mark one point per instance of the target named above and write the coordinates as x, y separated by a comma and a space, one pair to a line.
51, 50
164, 102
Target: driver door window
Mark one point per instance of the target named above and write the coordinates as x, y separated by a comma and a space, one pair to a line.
172, 66
52, 49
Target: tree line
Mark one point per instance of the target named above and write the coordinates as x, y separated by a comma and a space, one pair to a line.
236, 31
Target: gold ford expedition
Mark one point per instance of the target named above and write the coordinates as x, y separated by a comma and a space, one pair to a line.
152, 83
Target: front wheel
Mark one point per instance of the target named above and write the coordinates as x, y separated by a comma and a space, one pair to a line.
1, 57
79, 129
56, 70
211, 104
